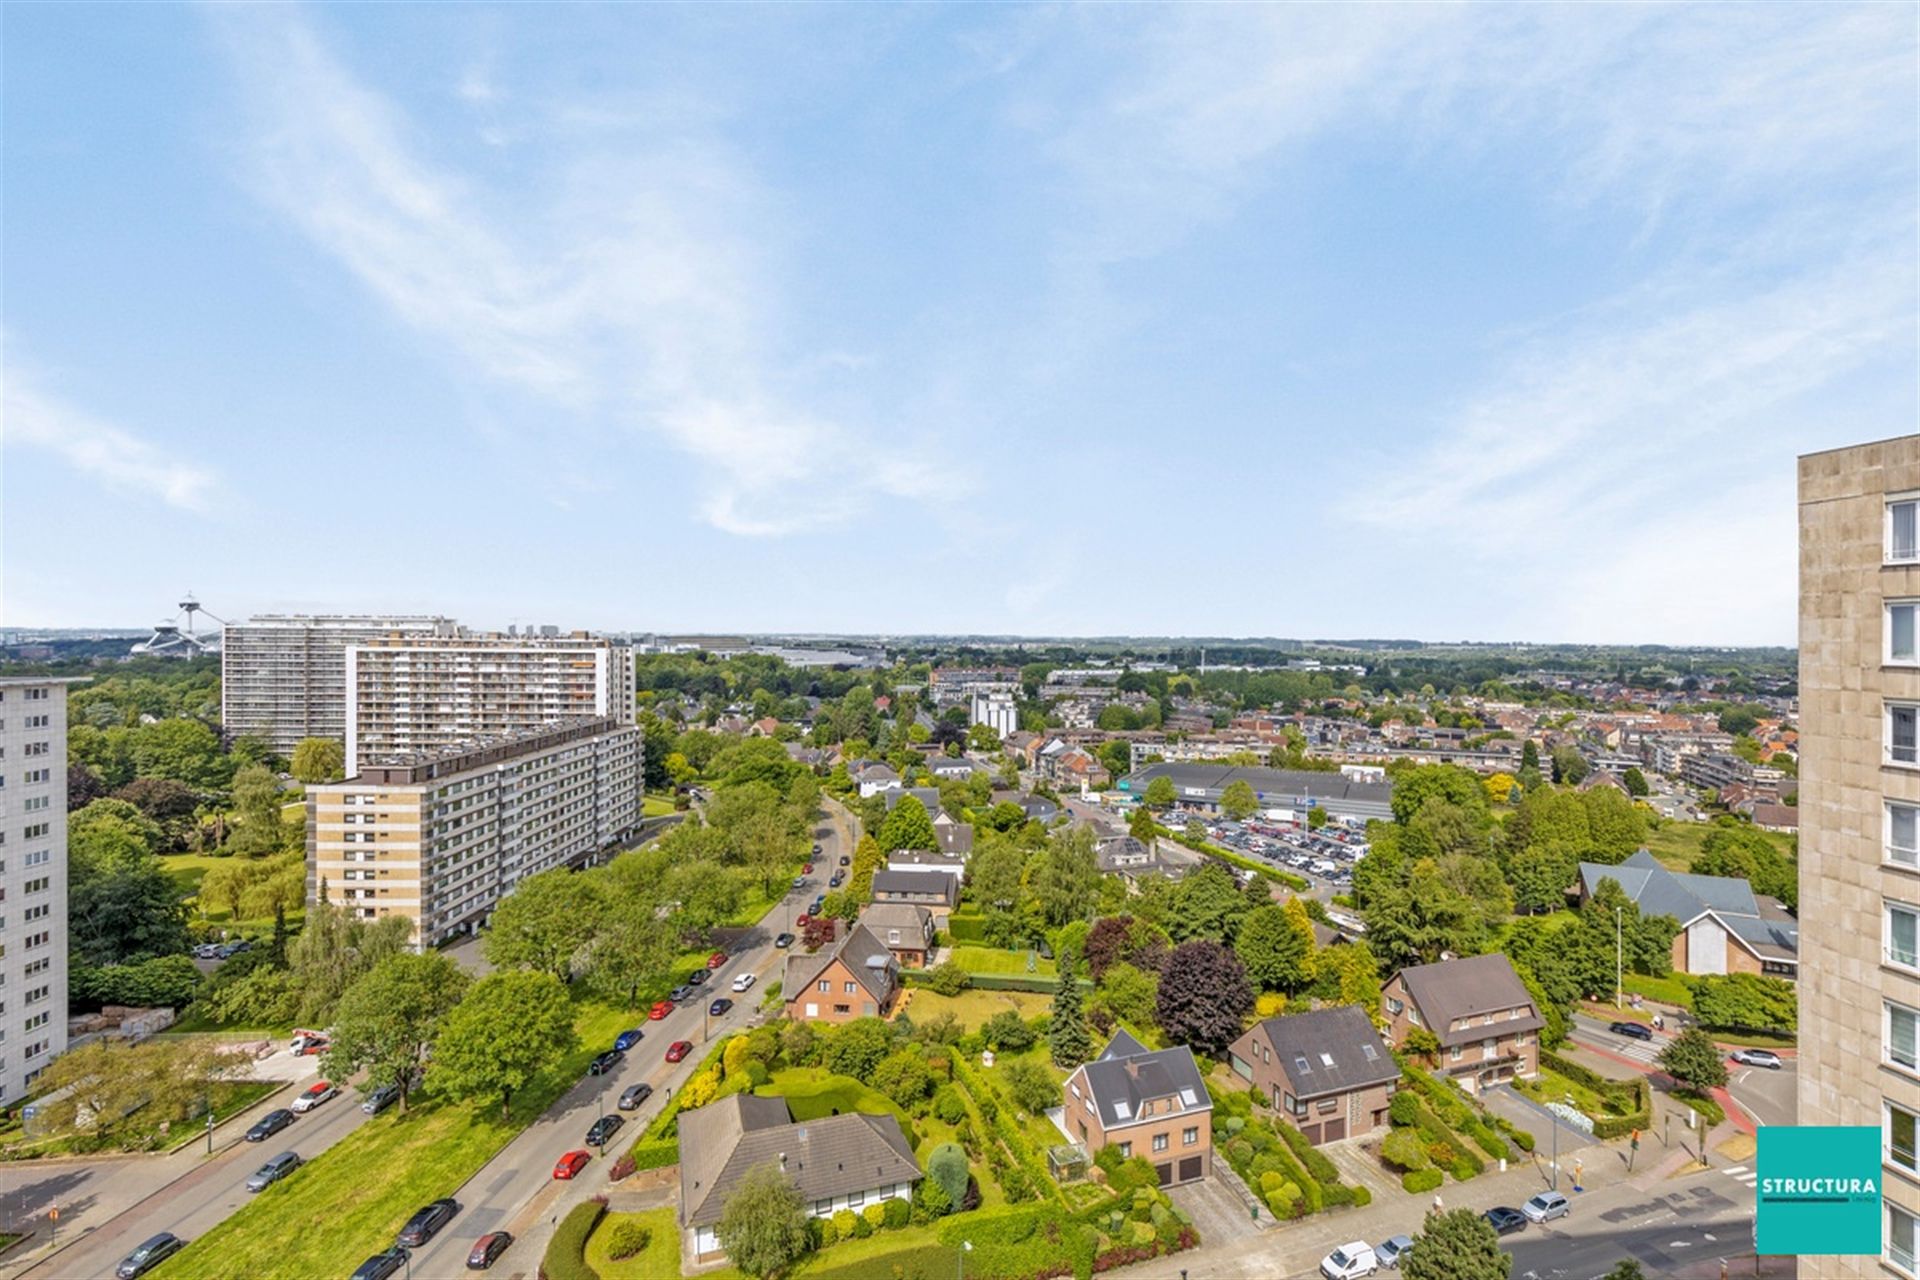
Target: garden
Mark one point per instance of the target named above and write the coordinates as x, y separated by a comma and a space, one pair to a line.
1616, 1107
1286, 1172
1438, 1130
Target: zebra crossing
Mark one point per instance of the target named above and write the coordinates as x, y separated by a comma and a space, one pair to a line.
1625, 1047
1740, 1173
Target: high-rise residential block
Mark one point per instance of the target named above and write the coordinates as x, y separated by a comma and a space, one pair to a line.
33, 878
412, 693
1859, 1061
283, 677
440, 836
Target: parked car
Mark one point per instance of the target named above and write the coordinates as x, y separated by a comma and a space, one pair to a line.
835, 880
380, 1099
1757, 1058
719, 1007
845, 861
1632, 1030
678, 1050
1392, 1250
316, 1093
679, 994
605, 1062
273, 1170
783, 941
381, 1265
661, 1008
152, 1252
207, 951
717, 959
487, 1250
601, 1131
1505, 1220
807, 870
269, 1124
1348, 1261
806, 918
816, 850
571, 1163
698, 978
634, 1095
627, 1039
742, 982
426, 1223
799, 882
307, 1045
1546, 1206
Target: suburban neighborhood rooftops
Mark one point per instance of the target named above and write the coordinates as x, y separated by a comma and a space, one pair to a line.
1456, 990
1127, 1074
1280, 784
1332, 1050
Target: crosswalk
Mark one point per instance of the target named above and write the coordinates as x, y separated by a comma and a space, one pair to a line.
1740, 1173
1638, 1050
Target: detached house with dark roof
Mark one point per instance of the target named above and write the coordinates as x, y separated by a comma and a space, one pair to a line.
837, 1162
1149, 1103
1327, 1071
1724, 926
1478, 1010
856, 977
906, 929
936, 892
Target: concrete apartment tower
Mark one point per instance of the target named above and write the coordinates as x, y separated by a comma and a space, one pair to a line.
33, 878
283, 677
1860, 819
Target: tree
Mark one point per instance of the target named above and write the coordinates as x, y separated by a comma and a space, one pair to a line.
319, 760
994, 876
1008, 1032
1208, 904
179, 748
545, 923
111, 1087
947, 1165
389, 1016
1129, 994
1276, 946
1068, 879
258, 830
1033, 1087
1625, 1269
1636, 785
1123, 939
510, 1026
1569, 766
1413, 788
908, 827
857, 1048
763, 1227
631, 946
1142, 827
1160, 794
1067, 1032
1238, 801
1204, 995
1694, 1060
867, 859
1500, 787
1745, 1002
1530, 756
1456, 1245
903, 1076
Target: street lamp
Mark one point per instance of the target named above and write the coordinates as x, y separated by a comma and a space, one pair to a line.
960, 1269
408, 1255
1618, 979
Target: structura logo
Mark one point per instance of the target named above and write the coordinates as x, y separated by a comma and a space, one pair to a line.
1819, 1190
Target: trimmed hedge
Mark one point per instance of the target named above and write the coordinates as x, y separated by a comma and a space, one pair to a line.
654, 1154
1420, 1180
1035, 983
967, 928
566, 1256
1635, 1096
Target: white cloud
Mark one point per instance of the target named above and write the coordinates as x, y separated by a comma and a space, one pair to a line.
115, 457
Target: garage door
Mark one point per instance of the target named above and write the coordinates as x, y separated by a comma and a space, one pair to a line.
1311, 1132
1334, 1130
1165, 1172
1190, 1169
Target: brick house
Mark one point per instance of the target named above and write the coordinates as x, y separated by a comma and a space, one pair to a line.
1149, 1103
1327, 1071
1479, 1011
1724, 926
856, 977
907, 930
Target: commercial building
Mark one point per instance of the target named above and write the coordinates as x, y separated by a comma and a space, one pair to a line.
33, 878
1860, 819
441, 836
422, 692
1724, 926
283, 677
1284, 793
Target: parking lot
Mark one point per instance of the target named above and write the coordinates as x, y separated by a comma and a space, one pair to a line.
1325, 857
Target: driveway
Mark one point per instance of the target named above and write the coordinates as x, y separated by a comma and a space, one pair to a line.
1217, 1210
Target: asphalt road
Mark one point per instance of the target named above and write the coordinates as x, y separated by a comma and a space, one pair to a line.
1767, 1094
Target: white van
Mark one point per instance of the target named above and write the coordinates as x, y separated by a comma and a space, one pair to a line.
1349, 1261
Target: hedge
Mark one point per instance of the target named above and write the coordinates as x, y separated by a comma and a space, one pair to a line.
1036, 983
654, 1153
1465, 1163
566, 1256
966, 928
1636, 1095
1420, 1180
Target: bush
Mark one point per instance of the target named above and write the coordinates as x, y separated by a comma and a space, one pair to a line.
1008, 1032
948, 979
948, 1106
823, 1231
947, 1166
626, 1237
1362, 1197
1405, 1149
862, 1228
1404, 1109
1523, 1140
1307, 1154
1033, 1086
1418, 1180
1489, 1141
1284, 1202
566, 1256
1463, 1169
844, 1221
875, 1214
1235, 1124
656, 1154
896, 1211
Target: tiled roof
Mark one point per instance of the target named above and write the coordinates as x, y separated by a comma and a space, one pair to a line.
826, 1158
1326, 1051
1455, 989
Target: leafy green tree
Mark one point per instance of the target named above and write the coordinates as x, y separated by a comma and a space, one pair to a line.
1238, 801
510, 1026
631, 946
1414, 787
1346, 974
1569, 766
1008, 1032
185, 750
259, 830
545, 923
389, 1016
763, 1226
332, 950
1159, 793
857, 1048
1694, 1060
1746, 1002
907, 827
1277, 953
903, 1076
319, 760
1067, 1034
994, 876
1142, 827
1208, 904
1456, 1245
1067, 879
1033, 1087
947, 1165
1129, 994
868, 858
1744, 852
1636, 785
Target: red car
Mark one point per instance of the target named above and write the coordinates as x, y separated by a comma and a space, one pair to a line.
661, 1009
571, 1163
678, 1050
807, 870
802, 921
716, 960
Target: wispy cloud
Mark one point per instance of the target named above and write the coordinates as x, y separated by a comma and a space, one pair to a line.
99, 450
634, 294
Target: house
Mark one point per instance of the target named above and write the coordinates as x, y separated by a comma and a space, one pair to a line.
905, 928
1327, 1071
856, 977
1133, 859
928, 797
1149, 1103
1602, 778
1724, 927
836, 1162
764, 727
1021, 745
953, 836
1478, 1011
1076, 767
1038, 809
947, 769
927, 860
874, 777
1776, 817
815, 758
937, 893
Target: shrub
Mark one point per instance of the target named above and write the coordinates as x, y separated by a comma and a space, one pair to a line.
1239, 1151
1523, 1140
930, 1201
948, 1106
1440, 1153
566, 1256
655, 1155
1463, 1169
1033, 1086
1405, 1149
627, 1237
1418, 1180
948, 979
622, 1168
947, 1166
862, 1228
875, 1214
1271, 1181
1404, 1109
1362, 1197
824, 1228
843, 1223
896, 1211
1285, 1201
1489, 1141
1307, 1154
1007, 1032
1235, 1124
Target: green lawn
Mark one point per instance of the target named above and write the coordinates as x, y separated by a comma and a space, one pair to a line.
994, 960
229, 1099
812, 1092
660, 1260
1551, 1086
657, 807
972, 1007
1677, 844
187, 869
1665, 990
349, 1201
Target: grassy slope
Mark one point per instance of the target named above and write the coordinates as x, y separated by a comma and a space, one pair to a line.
660, 1260
1677, 844
973, 1008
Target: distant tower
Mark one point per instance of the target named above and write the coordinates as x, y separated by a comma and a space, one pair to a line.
169, 641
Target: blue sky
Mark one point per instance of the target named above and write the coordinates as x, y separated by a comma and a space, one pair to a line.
1451, 322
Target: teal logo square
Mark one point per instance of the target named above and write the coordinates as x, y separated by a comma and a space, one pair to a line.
1819, 1190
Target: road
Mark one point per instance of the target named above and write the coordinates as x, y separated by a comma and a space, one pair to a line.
1767, 1094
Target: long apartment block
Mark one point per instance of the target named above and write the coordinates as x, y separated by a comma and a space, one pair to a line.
33, 878
283, 677
1860, 820
412, 693
440, 836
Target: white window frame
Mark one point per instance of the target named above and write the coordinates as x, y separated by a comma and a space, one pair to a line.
1886, 547
1886, 1138
1887, 656
1911, 961
1888, 708
1904, 1264
1889, 852
1886, 1037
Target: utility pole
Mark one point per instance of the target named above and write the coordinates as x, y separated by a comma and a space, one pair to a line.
1619, 978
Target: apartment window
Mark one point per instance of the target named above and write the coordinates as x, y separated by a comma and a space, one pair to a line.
1903, 531
1903, 936
849, 987
39, 775
825, 986
1457, 1053
36, 695
1903, 833
1126, 1151
34, 832
1159, 1142
36, 803
1900, 632
1902, 1032
1901, 1134
1900, 1235
1903, 733
1189, 1137
36, 722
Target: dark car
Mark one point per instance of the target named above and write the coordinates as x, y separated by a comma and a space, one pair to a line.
273, 1170
605, 1062
834, 881
627, 1039
1632, 1030
634, 1095
602, 1130
380, 1099
381, 1265
1505, 1220
784, 941
425, 1224
845, 861
719, 1007
816, 851
269, 1124
151, 1253
487, 1250
698, 978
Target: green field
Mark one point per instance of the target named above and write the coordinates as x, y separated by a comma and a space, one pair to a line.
656, 807
660, 1260
1677, 844
812, 1092
1010, 963
187, 869
974, 1007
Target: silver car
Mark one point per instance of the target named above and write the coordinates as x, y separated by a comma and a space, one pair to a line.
273, 1170
1546, 1206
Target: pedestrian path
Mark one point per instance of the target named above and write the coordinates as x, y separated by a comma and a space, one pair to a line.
1740, 1173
